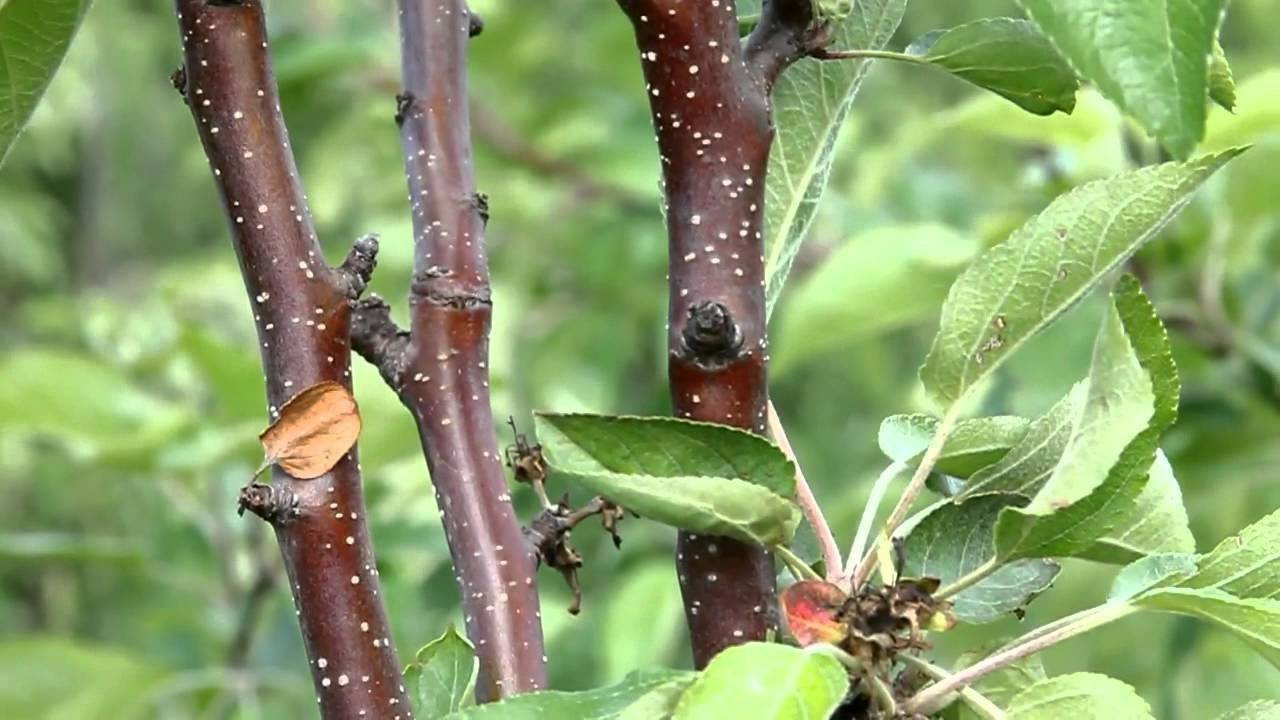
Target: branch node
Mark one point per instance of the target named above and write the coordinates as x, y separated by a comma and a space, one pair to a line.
481, 203
788, 30
711, 336
357, 268
179, 81
377, 338
274, 503
475, 24
403, 102
438, 286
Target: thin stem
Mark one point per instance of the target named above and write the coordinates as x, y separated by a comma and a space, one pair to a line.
935, 697
976, 701
440, 369
912, 492
795, 564
867, 524
868, 55
968, 580
806, 500
881, 694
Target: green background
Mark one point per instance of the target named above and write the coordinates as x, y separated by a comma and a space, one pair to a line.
131, 396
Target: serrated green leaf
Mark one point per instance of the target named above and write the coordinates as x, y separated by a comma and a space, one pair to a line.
810, 103
1084, 500
1255, 620
1150, 57
34, 37
1149, 572
1017, 288
1153, 524
640, 690
1246, 565
1257, 114
442, 678
1222, 85
953, 540
902, 273
1007, 56
1256, 710
1079, 696
973, 444
765, 681
695, 476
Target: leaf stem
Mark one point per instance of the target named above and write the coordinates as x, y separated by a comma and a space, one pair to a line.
931, 455
935, 697
868, 55
806, 500
868, 521
882, 695
968, 580
795, 564
976, 701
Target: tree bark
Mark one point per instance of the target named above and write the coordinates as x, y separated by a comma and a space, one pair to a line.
439, 367
302, 310
710, 101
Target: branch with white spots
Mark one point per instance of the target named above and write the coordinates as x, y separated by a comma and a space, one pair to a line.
302, 310
710, 107
439, 367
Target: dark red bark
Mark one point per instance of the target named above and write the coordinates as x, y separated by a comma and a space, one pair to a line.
710, 104
302, 310
440, 367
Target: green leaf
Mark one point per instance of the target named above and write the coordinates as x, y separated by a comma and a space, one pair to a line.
1079, 696
1222, 85
1155, 523
442, 678
695, 476
1255, 620
1092, 490
765, 681
1017, 288
1150, 57
1149, 572
632, 699
58, 679
1009, 57
1256, 710
1257, 116
626, 644
34, 37
902, 272
1246, 565
954, 540
1000, 686
973, 444
810, 102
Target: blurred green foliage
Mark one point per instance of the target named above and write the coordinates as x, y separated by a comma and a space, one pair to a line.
131, 396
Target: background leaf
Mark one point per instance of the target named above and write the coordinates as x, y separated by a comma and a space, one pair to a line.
1018, 287
1000, 686
974, 443
640, 690
1148, 56
902, 273
953, 540
1255, 620
765, 681
1151, 571
34, 37
442, 678
1079, 696
1009, 57
810, 103
695, 476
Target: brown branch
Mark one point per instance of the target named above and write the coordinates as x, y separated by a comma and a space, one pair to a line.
710, 107
440, 369
302, 310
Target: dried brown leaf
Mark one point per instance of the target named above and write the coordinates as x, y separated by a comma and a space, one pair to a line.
315, 429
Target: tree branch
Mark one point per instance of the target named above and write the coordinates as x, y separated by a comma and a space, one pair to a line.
301, 310
710, 110
788, 30
440, 367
